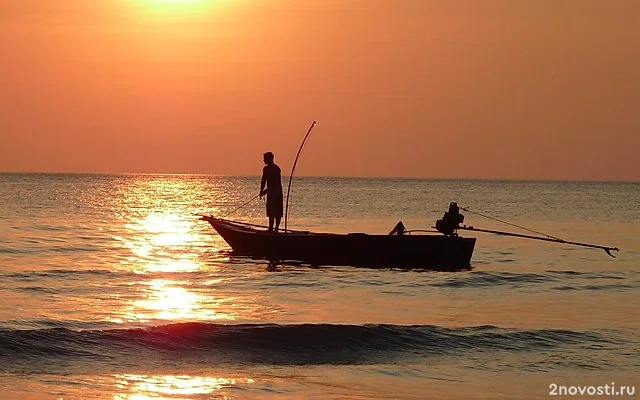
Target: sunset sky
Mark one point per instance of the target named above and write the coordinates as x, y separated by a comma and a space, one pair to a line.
531, 89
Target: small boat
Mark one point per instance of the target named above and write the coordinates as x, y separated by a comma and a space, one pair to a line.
399, 249
443, 250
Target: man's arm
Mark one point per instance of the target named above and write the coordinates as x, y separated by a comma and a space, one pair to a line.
263, 182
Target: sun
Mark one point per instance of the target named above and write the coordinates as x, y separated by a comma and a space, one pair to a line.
179, 3
178, 11
172, 6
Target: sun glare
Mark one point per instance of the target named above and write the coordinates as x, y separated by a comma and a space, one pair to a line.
171, 20
146, 387
177, 2
173, 301
178, 5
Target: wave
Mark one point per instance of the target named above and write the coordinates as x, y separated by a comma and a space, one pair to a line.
481, 279
269, 344
566, 280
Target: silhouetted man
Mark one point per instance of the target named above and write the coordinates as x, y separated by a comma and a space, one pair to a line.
271, 178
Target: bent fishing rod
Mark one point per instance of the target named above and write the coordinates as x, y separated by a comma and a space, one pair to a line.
286, 213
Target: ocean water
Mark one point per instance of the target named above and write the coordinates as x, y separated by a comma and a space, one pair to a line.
113, 289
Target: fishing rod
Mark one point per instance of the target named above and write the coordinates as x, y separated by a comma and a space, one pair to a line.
288, 188
508, 223
242, 205
452, 220
606, 249
286, 213
235, 209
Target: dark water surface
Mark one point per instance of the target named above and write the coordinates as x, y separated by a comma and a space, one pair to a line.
112, 288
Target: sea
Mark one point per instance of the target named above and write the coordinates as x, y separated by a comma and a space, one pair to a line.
112, 287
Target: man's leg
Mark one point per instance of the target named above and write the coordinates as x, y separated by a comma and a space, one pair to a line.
278, 223
270, 224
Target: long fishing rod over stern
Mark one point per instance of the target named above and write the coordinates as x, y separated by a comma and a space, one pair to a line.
452, 220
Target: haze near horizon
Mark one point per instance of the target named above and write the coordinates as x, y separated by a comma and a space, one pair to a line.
411, 88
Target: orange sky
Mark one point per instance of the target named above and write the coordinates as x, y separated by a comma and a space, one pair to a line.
545, 89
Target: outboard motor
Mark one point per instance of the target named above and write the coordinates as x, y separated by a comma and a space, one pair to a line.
450, 221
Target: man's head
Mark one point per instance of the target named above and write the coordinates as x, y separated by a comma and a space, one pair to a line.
268, 157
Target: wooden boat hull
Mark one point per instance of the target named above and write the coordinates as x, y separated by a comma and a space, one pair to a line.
438, 252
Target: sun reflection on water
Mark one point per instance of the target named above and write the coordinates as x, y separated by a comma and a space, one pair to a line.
170, 300
166, 242
186, 264
161, 235
143, 387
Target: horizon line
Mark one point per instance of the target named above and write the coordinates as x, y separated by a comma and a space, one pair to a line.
558, 180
